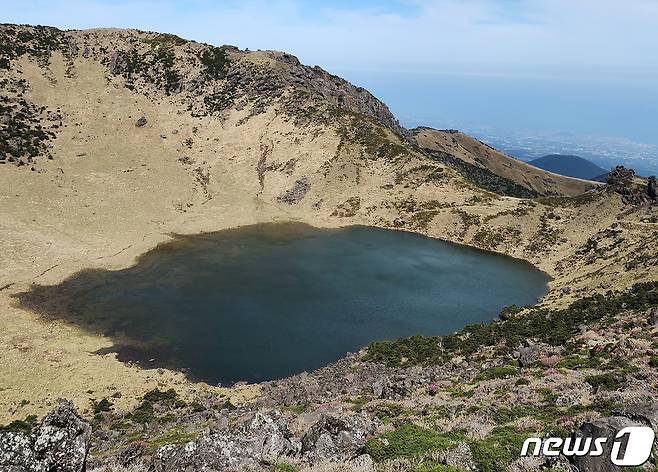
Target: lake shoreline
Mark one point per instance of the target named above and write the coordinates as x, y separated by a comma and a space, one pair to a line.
408, 284
93, 370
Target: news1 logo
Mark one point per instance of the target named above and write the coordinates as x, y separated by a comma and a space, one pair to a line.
631, 447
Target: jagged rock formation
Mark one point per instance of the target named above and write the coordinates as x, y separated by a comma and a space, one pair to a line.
59, 444
624, 182
266, 439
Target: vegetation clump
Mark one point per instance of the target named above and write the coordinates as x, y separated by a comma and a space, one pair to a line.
483, 177
497, 372
551, 326
36, 41
145, 413
20, 426
215, 61
408, 440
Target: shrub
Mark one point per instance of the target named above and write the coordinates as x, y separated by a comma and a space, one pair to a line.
409, 440
283, 468
144, 413
653, 361
216, 62
168, 397
500, 447
101, 406
20, 426
553, 327
606, 381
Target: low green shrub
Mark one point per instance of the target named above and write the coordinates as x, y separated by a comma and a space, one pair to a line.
409, 441
20, 426
283, 468
606, 381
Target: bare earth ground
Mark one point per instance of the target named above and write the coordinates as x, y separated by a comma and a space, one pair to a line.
113, 191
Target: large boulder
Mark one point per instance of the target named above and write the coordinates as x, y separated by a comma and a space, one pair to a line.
264, 439
603, 427
59, 444
335, 438
645, 413
640, 414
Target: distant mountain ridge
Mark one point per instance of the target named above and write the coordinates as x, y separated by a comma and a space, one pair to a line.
569, 165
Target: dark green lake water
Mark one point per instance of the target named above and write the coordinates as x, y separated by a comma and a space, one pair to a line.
267, 301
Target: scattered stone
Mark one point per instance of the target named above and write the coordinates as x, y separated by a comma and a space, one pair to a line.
620, 180
132, 453
644, 413
118, 63
263, 439
296, 193
336, 438
550, 361
652, 316
528, 354
141, 122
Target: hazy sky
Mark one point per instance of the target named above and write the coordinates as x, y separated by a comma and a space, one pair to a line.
609, 46
588, 38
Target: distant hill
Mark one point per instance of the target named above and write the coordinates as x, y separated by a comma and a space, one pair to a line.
571, 166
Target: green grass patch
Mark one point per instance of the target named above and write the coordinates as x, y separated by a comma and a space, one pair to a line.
434, 467
498, 449
653, 361
283, 468
173, 436
408, 441
606, 381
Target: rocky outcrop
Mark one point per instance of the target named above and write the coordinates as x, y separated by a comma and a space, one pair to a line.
620, 180
652, 191
263, 439
336, 439
59, 444
266, 439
